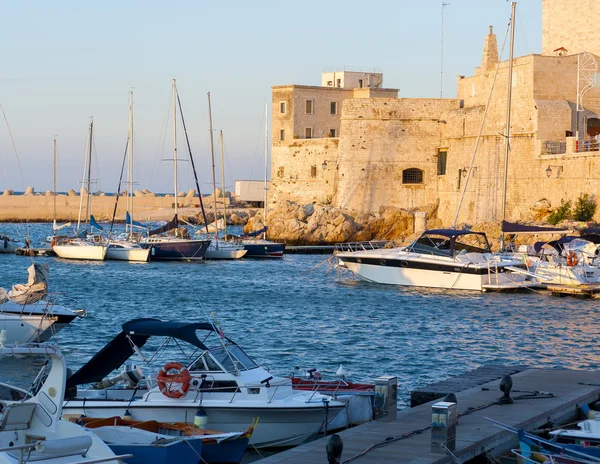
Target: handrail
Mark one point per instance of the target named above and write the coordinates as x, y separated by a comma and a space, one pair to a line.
364, 246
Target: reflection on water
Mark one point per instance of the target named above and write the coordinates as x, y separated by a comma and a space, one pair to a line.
285, 316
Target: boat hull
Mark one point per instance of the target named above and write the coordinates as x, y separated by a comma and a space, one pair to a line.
449, 275
178, 452
178, 250
278, 426
225, 254
9, 247
87, 252
263, 249
128, 254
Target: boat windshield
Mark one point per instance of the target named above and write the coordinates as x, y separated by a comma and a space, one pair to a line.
471, 243
431, 244
228, 358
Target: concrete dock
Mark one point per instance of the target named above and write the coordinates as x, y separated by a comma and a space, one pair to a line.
408, 437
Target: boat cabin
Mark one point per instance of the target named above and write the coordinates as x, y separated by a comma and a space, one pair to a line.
450, 243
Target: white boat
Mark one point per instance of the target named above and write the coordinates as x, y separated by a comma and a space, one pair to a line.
220, 249
441, 258
124, 250
222, 382
31, 428
81, 246
28, 313
9, 245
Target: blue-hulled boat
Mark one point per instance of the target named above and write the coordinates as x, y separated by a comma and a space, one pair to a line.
263, 249
174, 247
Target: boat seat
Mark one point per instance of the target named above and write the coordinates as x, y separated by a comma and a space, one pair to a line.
471, 258
58, 448
16, 416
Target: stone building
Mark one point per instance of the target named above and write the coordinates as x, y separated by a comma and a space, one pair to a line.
361, 148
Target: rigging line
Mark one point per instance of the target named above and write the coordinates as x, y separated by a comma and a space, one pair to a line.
20, 171
112, 221
193, 166
258, 139
160, 147
464, 189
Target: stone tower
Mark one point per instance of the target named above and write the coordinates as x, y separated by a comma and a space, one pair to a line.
570, 25
489, 59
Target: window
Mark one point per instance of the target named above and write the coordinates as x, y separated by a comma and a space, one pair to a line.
313, 171
282, 135
333, 108
412, 176
282, 107
442, 157
329, 83
339, 82
309, 106
308, 133
360, 83
331, 133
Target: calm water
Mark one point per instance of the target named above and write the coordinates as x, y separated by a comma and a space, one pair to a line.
293, 312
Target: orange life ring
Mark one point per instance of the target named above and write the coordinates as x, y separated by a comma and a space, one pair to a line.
53, 242
174, 385
572, 259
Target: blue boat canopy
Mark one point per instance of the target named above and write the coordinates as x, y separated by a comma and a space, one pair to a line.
136, 332
451, 232
514, 228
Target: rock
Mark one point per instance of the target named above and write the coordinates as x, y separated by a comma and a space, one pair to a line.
124, 193
84, 191
181, 195
49, 193
72, 193
191, 193
29, 191
139, 193
234, 219
99, 193
218, 192
149, 194
542, 205
227, 194
146, 191
7, 193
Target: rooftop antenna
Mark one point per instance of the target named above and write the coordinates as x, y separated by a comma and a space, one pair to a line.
444, 5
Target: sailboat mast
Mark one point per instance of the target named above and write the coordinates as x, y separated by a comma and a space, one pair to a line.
85, 159
223, 183
212, 154
508, 105
266, 161
88, 205
54, 228
129, 227
175, 142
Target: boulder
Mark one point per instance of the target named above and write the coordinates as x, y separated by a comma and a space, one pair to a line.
181, 195
29, 190
72, 193
8, 192
99, 193
149, 194
49, 193
191, 193
139, 193
84, 191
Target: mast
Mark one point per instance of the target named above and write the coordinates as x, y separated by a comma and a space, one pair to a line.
266, 160
212, 154
88, 206
129, 227
175, 142
85, 160
54, 228
508, 105
223, 184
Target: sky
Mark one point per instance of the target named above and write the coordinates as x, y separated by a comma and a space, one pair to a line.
65, 61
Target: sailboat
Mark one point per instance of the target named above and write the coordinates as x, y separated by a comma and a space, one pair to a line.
55, 227
82, 246
220, 249
178, 246
126, 249
262, 248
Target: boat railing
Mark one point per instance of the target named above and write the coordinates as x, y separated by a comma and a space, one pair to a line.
25, 451
47, 303
364, 246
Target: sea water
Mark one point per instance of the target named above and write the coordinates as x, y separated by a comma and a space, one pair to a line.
297, 312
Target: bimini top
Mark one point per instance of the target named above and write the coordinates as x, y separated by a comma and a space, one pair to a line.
514, 228
136, 332
451, 232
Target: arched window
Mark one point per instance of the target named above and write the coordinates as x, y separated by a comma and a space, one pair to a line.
412, 176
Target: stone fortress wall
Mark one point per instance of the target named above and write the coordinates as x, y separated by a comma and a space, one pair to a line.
410, 153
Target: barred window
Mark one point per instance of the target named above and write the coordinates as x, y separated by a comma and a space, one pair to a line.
441, 165
412, 176
313, 171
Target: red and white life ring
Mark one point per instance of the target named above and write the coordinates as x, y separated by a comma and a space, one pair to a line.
174, 384
572, 259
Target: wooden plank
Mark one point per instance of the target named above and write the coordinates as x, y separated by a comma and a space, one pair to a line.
475, 434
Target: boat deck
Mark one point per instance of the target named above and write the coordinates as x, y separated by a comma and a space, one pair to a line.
408, 438
588, 290
35, 252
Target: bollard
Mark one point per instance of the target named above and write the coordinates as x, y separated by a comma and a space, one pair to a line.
443, 426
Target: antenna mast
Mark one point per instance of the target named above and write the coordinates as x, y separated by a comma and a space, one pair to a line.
444, 5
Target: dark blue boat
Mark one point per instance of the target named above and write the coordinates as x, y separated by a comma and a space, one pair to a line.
174, 247
263, 249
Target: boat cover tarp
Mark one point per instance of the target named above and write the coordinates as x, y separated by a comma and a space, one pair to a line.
33, 291
256, 233
591, 230
558, 245
130, 221
514, 228
172, 224
451, 232
95, 224
118, 350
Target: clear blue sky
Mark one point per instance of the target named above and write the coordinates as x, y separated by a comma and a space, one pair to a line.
64, 61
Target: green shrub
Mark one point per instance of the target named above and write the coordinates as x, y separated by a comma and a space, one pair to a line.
561, 213
585, 207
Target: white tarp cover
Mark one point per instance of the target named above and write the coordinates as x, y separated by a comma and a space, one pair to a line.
33, 291
582, 246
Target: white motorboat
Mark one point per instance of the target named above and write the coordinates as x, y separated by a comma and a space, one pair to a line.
28, 313
125, 250
441, 258
31, 428
9, 245
222, 382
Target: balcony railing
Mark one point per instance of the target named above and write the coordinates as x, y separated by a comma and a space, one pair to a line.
587, 144
554, 147
570, 146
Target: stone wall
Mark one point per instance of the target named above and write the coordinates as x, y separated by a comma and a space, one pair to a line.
572, 24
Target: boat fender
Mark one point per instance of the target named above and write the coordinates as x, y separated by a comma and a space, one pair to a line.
174, 384
200, 419
572, 259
